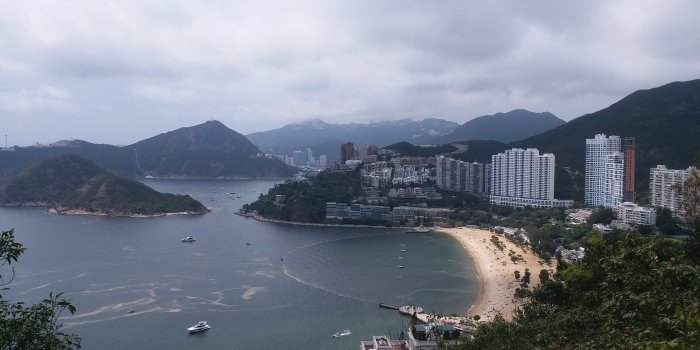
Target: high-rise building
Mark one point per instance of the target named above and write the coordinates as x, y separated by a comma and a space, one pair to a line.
309, 157
524, 178
322, 161
458, 176
666, 188
372, 150
347, 152
299, 158
614, 180
629, 148
598, 150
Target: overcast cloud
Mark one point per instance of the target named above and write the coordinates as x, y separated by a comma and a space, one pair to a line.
115, 72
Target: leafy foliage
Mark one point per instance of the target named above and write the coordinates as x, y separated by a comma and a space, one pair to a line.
33, 327
602, 216
636, 293
305, 201
72, 182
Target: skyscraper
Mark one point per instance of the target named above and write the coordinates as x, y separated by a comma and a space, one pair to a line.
458, 176
613, 192
598, 150
347, 152
629, 148
524, 178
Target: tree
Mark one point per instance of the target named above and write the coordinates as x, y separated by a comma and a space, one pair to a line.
602, 216
544, 276
666, 223
517, 274
526, 277
33, 327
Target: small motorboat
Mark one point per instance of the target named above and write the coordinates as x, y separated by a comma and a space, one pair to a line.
188, 239
403, 250
401, 267
342, 333
200, 327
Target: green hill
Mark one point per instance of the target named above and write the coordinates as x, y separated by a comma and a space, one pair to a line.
511, 126
71, 183
665, 121
470, 151
208, 150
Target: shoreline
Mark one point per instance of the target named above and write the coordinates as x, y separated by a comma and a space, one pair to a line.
314, 224
114, 215
495, 271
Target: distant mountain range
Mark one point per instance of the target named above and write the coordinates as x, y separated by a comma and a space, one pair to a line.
207, 150
515, 125
71, 184
326, 138
664, 120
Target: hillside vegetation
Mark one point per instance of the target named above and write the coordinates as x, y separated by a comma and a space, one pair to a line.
70, 183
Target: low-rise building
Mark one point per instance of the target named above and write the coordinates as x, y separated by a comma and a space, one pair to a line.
429, 337
578, 216
413, 215
383, 342
633, 214
344, 211
520, 202
570, 255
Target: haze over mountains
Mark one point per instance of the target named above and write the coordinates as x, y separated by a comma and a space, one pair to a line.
326, 138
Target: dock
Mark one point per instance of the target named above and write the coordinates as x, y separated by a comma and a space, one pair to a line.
461, 322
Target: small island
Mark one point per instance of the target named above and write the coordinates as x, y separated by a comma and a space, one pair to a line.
73, 185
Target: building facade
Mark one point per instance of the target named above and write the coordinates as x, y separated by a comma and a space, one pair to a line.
613, 190
598, 151
523, 178
633, 214
629, 148
666, 188
347, 152
458, 176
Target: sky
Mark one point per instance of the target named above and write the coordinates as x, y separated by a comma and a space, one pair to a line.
119, 71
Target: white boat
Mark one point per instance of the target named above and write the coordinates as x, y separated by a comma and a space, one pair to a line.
188, 239
401, 266
342, 333
201, 326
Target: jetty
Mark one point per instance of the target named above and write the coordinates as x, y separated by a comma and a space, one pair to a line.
462, 323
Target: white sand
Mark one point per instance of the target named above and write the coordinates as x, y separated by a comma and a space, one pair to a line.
496, 270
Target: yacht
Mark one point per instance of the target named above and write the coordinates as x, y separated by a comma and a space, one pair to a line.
342, 333
201, 326
188, 239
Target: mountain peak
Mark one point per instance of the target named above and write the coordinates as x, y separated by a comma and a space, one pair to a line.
514, 125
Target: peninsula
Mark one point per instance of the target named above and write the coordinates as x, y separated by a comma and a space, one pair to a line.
73, 185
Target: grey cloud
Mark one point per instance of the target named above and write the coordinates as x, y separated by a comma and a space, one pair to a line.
120, 71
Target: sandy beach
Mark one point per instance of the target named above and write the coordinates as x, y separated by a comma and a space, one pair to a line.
496, 270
